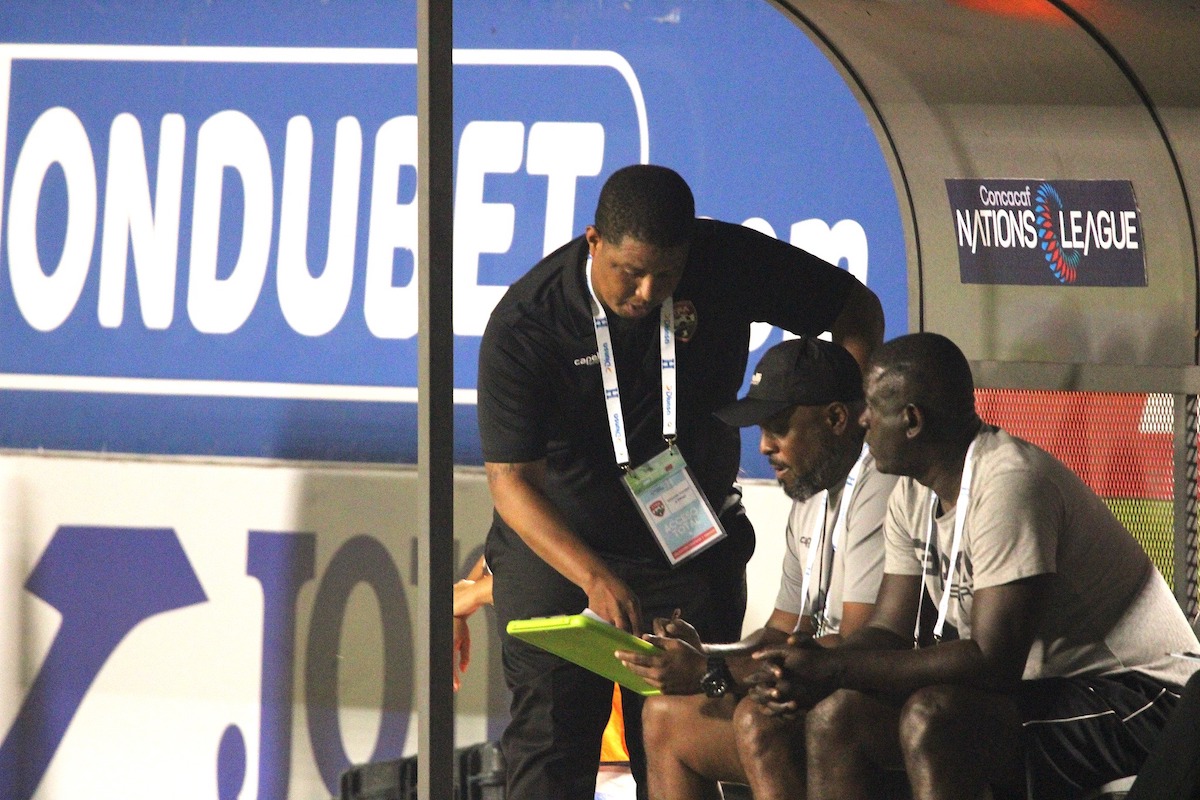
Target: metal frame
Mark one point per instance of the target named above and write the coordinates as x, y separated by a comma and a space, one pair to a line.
435, 387
1185, 504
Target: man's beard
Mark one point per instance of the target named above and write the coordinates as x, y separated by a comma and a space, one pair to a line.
832, 467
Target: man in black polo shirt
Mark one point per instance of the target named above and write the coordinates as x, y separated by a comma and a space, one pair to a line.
575, 383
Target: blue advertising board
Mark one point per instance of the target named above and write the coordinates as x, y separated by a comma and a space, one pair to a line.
208, 214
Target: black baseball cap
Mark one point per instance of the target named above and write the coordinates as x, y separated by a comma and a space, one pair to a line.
796, 372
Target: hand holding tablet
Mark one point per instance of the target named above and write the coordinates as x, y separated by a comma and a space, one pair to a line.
588, 641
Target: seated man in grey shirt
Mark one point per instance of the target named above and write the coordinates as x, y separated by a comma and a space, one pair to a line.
1059, 679
806, 395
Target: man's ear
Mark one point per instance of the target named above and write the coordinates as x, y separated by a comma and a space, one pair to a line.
592, 236
837, 417
914, 421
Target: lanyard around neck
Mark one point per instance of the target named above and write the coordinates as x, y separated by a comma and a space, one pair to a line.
608, 371
816, 543
960, 519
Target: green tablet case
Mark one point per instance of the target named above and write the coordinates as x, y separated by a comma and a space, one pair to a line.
588, 642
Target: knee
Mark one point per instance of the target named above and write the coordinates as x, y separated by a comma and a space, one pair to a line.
833, 720
754, 731
658, 715
926, 720
748, 724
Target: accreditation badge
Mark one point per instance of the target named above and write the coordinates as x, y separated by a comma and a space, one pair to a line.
679, 516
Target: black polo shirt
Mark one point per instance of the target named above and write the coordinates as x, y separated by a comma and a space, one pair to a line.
540, 390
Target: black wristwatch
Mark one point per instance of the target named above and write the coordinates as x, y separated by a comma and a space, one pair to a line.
718, 680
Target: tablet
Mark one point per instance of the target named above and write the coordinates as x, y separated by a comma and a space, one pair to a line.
588, 641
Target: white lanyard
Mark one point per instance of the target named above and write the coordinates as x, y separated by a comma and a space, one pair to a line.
960, 519
608, 371
817, 541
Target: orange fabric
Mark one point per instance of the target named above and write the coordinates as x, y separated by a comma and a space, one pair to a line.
612, 747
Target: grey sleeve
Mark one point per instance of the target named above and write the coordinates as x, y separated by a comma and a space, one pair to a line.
789, 598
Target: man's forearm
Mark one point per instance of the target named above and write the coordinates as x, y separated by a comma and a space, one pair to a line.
470, 595
737, 655
900, 672
521, 503
875, 637
519, 499
860, 325
881, 657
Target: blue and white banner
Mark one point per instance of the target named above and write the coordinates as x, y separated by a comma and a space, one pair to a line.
208, 218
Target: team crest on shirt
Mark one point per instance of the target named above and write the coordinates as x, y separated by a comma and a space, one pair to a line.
685, 320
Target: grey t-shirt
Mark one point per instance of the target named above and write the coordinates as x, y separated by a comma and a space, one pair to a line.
849, 572
1109, 609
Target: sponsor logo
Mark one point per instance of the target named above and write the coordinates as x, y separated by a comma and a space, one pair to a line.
246, 204
95, 578
588, 361
1085, 233
1048, 218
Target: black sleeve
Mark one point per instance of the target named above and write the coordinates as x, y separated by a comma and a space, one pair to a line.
777, 282
514, 394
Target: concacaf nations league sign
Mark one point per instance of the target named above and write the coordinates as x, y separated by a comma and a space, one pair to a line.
1048, 232
208, 216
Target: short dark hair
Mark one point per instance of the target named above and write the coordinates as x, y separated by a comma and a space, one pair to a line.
935, 376
653, 204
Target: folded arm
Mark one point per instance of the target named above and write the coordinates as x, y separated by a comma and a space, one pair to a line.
1003, 625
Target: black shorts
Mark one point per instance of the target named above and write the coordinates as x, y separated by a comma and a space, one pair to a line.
1081, 733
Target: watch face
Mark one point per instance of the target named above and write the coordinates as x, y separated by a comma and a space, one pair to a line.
715, 682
